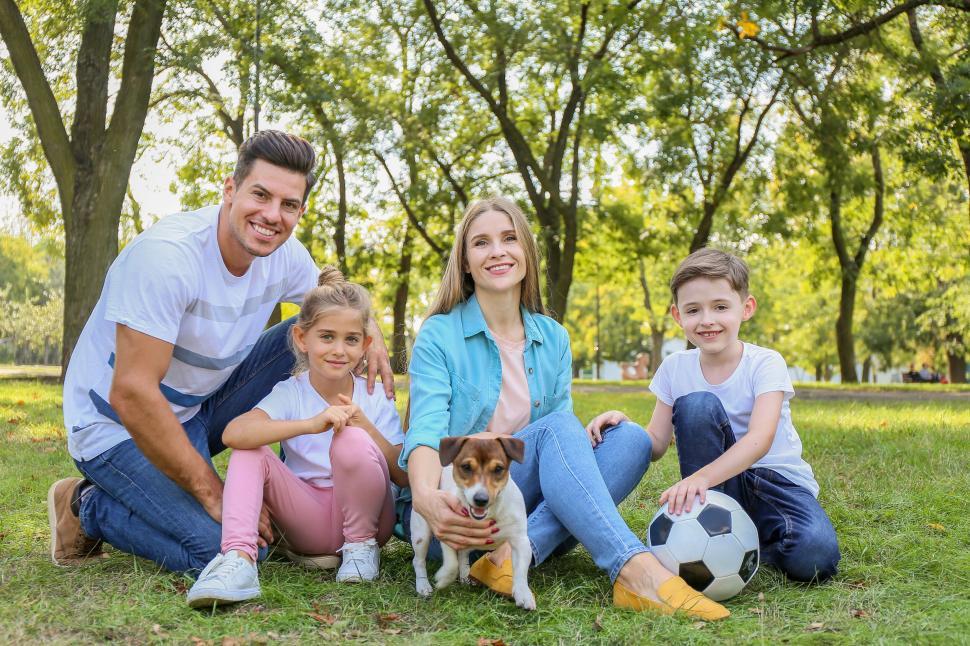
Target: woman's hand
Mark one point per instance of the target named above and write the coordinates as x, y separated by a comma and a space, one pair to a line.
594, 430
680, 497
450, 522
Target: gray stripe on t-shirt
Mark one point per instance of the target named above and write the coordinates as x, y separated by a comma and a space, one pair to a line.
230, 314
210, 363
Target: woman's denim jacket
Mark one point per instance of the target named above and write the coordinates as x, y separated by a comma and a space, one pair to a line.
456, 374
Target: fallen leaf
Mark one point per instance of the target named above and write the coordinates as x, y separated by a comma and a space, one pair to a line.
386, 618
392, 631
13, 420
598, 623
884, 423
699, 624
858, 612
938, 527
755, 611
157, 629
485, 641
231, 641
323, 619
761, 596
815, 626
20, 402
198, 641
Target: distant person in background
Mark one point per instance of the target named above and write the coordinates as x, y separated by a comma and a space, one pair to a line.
927, 375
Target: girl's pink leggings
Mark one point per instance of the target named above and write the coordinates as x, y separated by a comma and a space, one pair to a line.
315, 520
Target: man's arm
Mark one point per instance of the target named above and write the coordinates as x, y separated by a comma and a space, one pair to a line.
141, 362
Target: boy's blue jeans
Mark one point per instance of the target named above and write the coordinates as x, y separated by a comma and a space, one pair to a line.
571, 490
139, 510
796, 535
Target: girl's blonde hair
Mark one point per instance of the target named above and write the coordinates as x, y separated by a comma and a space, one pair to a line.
332, 292
457, 285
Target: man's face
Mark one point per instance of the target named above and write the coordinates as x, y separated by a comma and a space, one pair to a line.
259, 214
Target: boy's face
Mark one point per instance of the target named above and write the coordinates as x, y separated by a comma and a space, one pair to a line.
711, 312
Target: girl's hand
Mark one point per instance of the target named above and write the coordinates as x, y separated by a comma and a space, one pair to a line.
594, 430
680, 497
334, 417
357, 417
450, 523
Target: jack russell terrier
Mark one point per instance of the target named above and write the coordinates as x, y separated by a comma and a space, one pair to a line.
476, 470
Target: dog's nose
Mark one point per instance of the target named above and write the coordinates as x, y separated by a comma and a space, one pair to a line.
480, 499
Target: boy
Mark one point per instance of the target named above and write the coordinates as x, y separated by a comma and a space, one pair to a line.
727, 402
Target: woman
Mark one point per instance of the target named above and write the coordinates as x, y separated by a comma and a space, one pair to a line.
488, 359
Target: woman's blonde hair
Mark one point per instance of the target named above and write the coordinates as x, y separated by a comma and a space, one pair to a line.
457, 285
332, 292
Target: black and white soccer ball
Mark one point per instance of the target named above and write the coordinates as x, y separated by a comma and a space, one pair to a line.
714, 547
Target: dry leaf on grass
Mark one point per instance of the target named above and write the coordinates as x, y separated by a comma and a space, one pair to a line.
598, 623
859, 613
761, 596
698, 624
485, 641
755, 611
938, 527
384, 619
322, 618
815, 626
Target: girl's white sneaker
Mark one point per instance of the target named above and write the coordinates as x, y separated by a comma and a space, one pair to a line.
228, 578
362, 561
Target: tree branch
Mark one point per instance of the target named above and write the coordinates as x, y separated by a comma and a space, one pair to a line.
40, 98
407, 207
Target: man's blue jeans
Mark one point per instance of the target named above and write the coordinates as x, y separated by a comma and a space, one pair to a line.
139, 510
571, 490
796, 535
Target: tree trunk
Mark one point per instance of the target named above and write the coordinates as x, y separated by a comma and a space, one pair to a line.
956, 359
867, 369
656, 349
340, 231
399, 346
818, 372
844, 337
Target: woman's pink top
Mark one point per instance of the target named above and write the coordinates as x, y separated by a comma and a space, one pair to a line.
512, 412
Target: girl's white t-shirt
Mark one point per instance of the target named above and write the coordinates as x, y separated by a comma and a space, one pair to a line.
760, 371
308, 456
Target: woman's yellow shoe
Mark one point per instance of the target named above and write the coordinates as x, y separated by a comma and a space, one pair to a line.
497, 578
675, 596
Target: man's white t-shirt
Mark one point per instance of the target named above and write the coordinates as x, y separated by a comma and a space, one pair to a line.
760, 371
171, 283
308, 456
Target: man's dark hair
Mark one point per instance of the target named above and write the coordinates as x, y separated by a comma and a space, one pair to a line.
279, 149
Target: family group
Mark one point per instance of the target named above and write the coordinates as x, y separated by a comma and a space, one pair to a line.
175, 365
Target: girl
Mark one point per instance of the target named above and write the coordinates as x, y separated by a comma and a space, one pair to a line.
487, 358
333, 493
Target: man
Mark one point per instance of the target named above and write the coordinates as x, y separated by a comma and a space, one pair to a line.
173, 351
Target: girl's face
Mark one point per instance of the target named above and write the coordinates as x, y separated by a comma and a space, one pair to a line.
493, 254
334, 344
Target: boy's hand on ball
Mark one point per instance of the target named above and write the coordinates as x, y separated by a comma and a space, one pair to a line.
680, 497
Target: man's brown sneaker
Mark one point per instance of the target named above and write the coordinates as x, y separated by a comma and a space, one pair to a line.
69, 544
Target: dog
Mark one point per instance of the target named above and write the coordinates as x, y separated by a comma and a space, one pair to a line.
476, 470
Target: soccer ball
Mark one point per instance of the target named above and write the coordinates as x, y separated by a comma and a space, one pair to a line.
714, 547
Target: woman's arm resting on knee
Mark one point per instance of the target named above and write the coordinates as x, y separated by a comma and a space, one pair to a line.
442, 510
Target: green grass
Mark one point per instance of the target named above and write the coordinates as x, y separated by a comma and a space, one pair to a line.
894, 478
817, 385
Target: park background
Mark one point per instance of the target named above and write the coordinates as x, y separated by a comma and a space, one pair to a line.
824, 141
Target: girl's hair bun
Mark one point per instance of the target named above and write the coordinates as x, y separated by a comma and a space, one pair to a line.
330, 276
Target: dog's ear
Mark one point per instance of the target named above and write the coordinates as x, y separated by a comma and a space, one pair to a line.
514, 447
449, 447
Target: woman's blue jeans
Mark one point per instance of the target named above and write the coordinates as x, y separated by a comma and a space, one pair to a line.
796, 535
138, 509
571, 490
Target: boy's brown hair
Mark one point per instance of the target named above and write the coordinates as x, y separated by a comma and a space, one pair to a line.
712, 264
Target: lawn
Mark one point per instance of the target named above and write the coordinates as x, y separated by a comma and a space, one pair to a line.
894, 478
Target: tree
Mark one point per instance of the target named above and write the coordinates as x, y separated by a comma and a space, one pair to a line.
542, 72
92, 160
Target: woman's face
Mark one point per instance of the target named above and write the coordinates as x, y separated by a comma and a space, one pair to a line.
493, 254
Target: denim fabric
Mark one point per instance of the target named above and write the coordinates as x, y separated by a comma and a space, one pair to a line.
139, 510
571, 489
796, 535
456, 374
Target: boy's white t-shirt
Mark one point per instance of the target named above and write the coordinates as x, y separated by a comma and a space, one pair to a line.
171, 283
308, 456
760, 371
